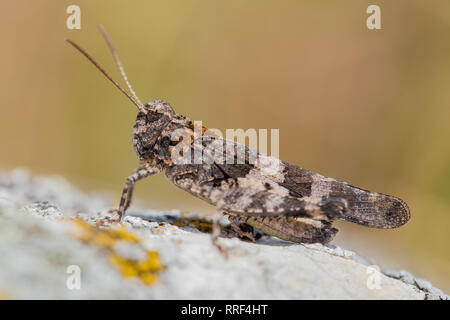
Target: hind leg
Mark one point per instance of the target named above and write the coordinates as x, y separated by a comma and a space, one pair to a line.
240, 230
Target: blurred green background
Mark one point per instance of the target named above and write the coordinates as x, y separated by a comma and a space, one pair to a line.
367, 107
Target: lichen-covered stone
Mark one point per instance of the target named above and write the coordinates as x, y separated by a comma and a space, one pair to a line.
47, 226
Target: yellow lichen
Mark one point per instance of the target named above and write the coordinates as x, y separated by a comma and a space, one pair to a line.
161, 224
146, 270
198, 223
104, 237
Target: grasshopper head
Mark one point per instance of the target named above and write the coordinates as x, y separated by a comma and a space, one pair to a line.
150, 122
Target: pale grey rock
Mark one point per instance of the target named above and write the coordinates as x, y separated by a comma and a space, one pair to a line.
37, 246
43, 209
36, 254
424, 284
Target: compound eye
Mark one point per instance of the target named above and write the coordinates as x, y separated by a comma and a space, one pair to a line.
159, 110
154, 115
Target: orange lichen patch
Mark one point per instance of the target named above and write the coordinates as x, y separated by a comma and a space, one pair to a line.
146, 270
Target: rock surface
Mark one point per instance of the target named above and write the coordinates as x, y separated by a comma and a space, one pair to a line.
50, 247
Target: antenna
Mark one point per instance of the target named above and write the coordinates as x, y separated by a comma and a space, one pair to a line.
139, 106
119, 64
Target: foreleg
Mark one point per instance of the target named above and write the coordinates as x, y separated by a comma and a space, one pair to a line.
127, 192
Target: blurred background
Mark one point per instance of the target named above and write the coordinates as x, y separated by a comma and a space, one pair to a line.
370, 107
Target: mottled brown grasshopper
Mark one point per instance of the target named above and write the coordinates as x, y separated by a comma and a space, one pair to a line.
271, 195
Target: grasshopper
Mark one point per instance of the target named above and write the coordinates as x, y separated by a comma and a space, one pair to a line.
269, 194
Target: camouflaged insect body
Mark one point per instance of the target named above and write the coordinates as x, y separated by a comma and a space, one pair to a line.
253, 189
271, 195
